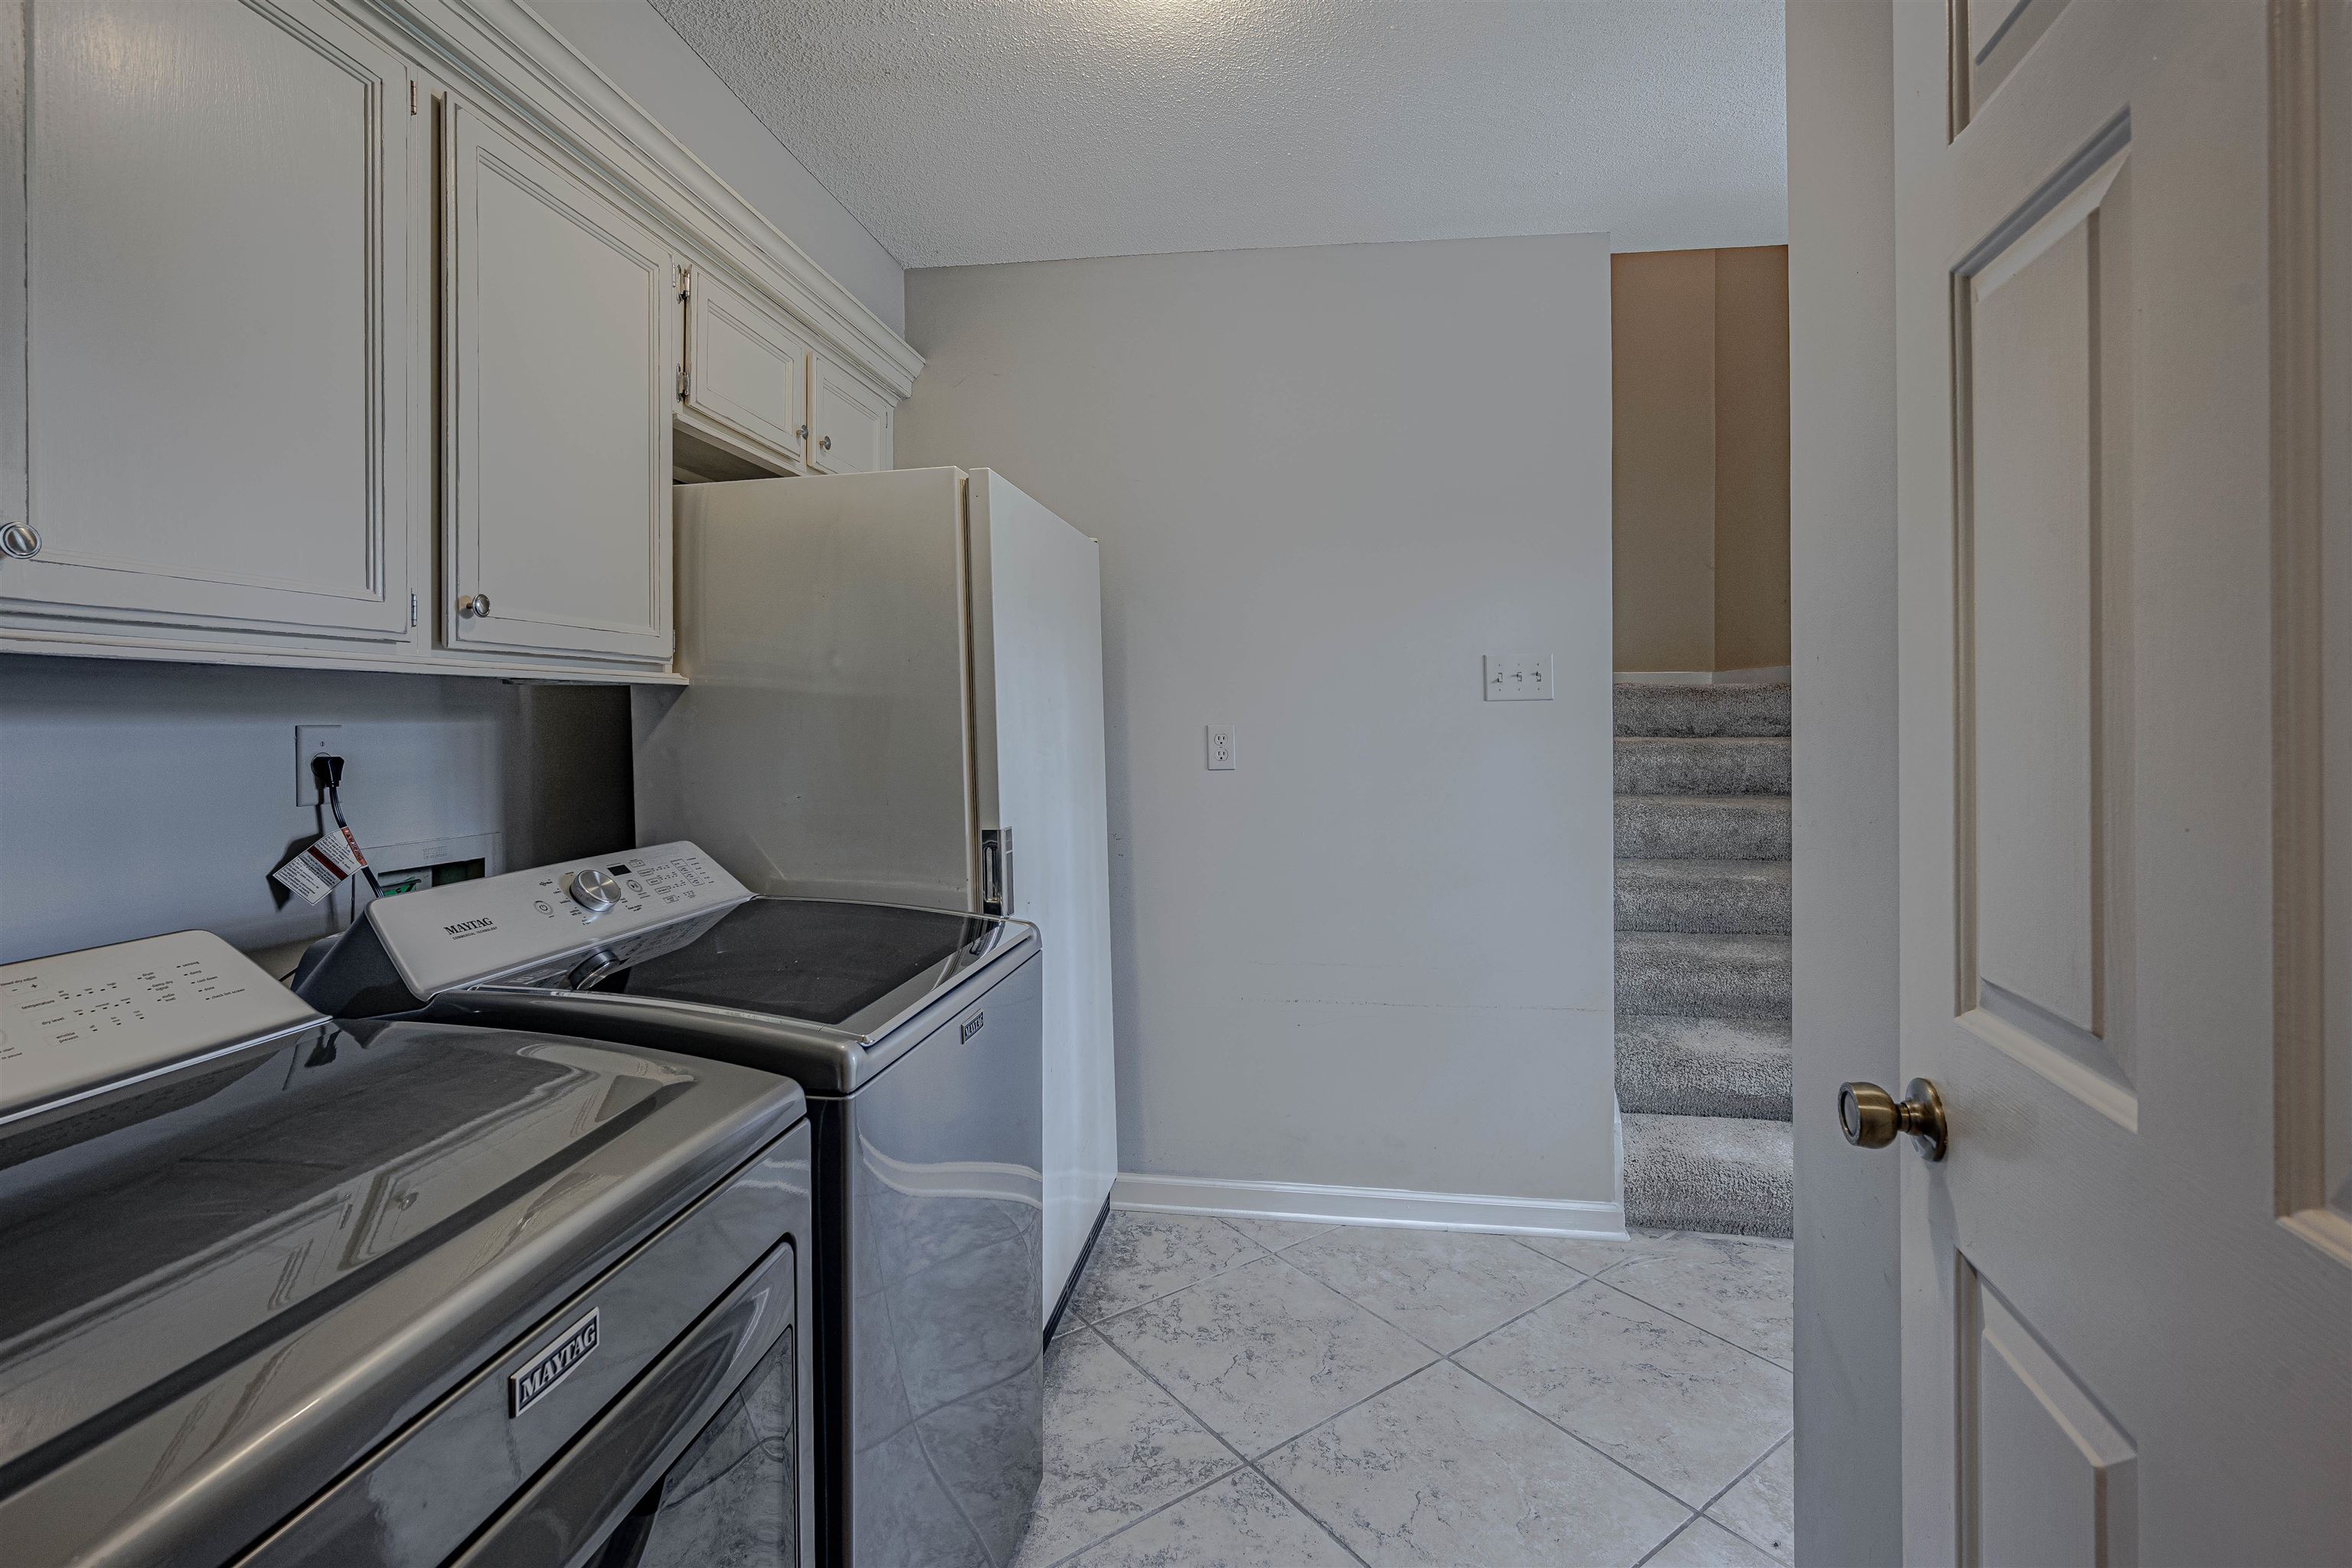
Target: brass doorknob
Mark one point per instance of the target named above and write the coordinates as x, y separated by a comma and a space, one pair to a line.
1872, 1118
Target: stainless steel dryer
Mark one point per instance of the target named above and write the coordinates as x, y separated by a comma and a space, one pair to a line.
917, 1038
283, 1290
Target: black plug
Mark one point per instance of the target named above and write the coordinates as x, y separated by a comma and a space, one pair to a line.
326, 772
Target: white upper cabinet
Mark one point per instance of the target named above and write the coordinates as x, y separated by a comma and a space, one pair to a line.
747, 369
218, 310
560, 370
849, 423
349, 333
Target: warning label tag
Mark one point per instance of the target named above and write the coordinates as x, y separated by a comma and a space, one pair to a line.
322, 867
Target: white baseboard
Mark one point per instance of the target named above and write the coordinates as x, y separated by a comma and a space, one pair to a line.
1371, 1206
1761, 675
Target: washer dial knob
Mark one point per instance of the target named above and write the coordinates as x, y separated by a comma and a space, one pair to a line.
594, 890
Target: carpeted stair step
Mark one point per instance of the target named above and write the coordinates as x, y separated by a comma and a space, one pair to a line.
1710, 765
1703, 1067
1703, 896
1702, 828
1644, 709
1710, 1172
1710, 976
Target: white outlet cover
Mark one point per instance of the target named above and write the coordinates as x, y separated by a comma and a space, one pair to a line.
1519, 678
1222, 753
310, 740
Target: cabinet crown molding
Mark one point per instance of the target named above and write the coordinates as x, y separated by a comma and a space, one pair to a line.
485, 45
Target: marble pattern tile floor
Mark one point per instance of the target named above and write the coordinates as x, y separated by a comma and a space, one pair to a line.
1271, 1394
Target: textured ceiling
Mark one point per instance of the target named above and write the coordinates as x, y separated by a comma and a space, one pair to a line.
970, 131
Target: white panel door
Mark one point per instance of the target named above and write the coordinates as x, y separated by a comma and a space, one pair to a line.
220, 333
747, 368
1038, 699
561, 366
2122, 1336
849, 424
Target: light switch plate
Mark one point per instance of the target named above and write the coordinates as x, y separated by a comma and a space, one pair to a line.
1519, 678
1221, 747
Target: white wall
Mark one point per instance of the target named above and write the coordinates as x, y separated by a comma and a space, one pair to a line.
1841, 491
138, 798
1326, 481
629, 41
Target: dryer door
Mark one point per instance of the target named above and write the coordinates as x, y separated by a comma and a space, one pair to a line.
703, 1460
734, 1497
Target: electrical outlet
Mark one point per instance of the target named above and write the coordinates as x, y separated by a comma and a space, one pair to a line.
1519, 678
312, 741
1221, 747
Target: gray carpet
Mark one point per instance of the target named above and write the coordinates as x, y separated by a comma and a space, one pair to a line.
1703, 957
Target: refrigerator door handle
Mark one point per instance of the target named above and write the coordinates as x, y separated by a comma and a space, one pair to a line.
996, 870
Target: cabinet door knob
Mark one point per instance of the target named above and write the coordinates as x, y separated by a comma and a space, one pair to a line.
802, 433
824, 443
474, 605
1871, 1118
19, 540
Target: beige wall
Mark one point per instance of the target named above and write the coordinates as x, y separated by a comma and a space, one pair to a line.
1752, 456
1700, 354
1661, 350
1375, 954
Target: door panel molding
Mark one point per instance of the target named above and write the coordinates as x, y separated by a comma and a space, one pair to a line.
1987, 40
2040, 656
2310, 714
2046, 1474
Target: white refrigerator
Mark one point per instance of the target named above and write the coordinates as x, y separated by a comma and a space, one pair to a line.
896, 694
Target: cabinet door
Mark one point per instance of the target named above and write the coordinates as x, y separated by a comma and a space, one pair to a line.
560, 363
849, 426
216, 208
746, 369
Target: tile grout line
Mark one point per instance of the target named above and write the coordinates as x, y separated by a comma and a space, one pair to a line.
1250, 1462
1132, 1306
1572, 1436
1472, 1375
1144, 1373
1253, 1463
1671, 1536
1751, 1470
1447, 1358
1595, 1278
1079, 1552
1624, 1262
1307, 1513
1367, 1307
1247, 1462
1698, 1328
1241, 1461
1721, 1524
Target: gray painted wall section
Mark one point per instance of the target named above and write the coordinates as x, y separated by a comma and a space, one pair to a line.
138, 798
1842, 494
1325, 481
629, 41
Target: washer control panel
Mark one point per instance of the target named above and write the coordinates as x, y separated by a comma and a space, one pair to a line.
83, 1020
463, 933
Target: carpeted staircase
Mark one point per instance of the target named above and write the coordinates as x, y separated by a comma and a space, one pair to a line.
1703, 956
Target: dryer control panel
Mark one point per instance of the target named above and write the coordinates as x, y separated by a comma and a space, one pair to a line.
514, 926
107, 1015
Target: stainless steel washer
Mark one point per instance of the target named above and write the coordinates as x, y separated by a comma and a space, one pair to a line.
917, 1036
